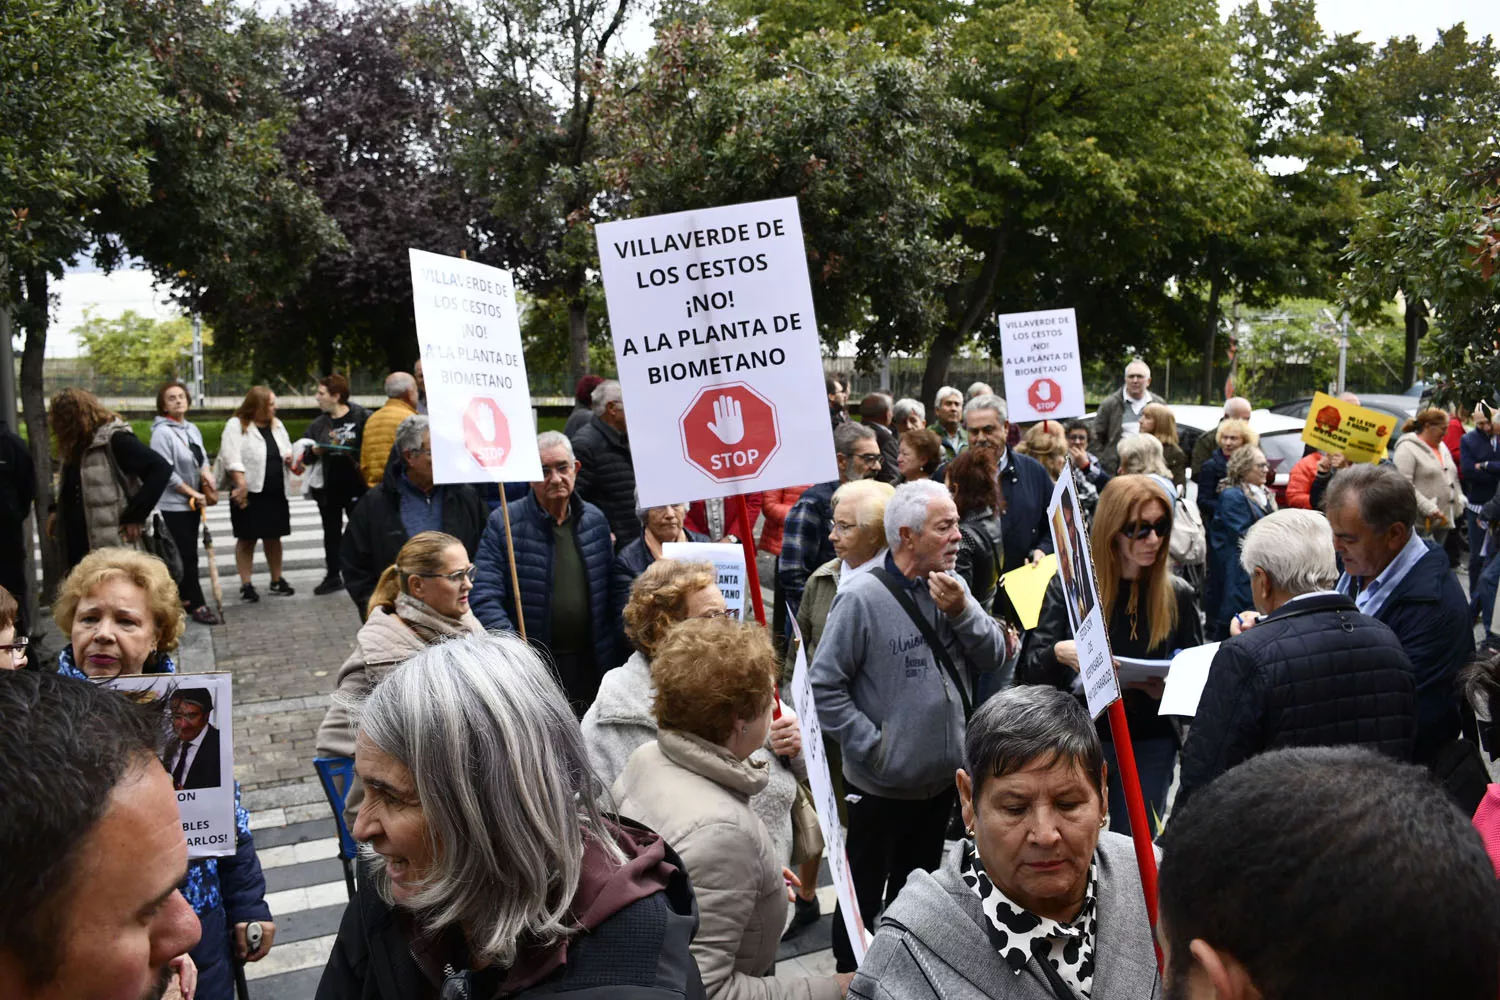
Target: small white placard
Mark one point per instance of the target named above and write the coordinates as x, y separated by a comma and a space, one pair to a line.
729, 567
1075, 568
1043, 372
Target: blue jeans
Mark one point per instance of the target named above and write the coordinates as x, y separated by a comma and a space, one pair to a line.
1484, 594
1476, 561
1154, 760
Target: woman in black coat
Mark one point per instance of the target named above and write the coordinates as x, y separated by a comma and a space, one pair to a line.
661, 525
1150, 615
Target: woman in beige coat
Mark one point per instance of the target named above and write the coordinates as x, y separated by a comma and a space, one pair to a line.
421, 599
715, 696
1423, 459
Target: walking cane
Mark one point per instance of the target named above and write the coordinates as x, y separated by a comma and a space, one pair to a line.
252, 944
213, 566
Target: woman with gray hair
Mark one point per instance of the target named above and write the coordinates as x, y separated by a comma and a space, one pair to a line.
491, 872
908, 415
667, 523
1243, 500
1039, 900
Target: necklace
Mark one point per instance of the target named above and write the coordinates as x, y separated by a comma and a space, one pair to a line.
1132, 608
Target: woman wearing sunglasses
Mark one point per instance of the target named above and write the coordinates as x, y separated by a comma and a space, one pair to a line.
1150, 614
421, 599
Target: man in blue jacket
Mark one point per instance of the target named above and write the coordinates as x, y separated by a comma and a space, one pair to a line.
1479, 461
563, 560
1397, 577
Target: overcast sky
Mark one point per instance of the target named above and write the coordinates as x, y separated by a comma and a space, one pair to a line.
1375, 20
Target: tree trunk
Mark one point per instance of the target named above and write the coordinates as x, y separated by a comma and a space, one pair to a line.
578, 337
939, 356
34, 410
325, 355
1416, 326
1210, 342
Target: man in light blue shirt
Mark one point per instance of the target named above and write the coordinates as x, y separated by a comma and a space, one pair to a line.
1403, 580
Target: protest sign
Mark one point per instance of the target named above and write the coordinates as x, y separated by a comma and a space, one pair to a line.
200, 755
1360, 435
1075, 565
824, 799
1043, 372
478, 398
728, 560
717, 347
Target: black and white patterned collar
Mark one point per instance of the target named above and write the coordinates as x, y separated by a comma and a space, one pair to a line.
1018, 934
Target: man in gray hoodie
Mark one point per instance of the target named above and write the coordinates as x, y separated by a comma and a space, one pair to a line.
897, 710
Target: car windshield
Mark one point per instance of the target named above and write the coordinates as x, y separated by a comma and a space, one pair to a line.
1282, 450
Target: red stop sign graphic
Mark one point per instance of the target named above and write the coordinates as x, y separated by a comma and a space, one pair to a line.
486, 432
1044, 395
729, 432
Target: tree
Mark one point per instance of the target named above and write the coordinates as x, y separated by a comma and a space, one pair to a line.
372, 87
861, 137
131, 346
529, 141
74, 97
1434, 235
1408, 106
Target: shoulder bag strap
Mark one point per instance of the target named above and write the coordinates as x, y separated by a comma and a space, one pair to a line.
939, 653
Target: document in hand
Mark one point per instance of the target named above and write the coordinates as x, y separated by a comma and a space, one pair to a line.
1027, 586
1186, 679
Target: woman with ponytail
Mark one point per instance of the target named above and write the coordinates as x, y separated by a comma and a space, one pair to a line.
420, 600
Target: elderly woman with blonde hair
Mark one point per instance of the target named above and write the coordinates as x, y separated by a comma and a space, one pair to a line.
715, 696
1231, 435
122, 615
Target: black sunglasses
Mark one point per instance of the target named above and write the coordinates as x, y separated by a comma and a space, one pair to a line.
1137, 530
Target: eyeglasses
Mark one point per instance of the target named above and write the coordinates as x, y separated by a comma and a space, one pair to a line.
454, 578
1137, 530
715, 613
16, 648
870, 459
844, 527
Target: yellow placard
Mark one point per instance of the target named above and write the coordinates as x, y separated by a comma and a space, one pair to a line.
1360, 435
1027, 586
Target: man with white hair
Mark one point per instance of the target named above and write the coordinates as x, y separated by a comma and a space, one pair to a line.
893, 673
380, 430
606, 476
1235, 408
1119, 414
1024, 485
978, 389
1307, 667
947, 420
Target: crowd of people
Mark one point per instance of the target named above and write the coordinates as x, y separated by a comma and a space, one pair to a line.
575, 770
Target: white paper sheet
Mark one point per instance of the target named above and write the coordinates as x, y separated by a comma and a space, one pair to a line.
1186, 679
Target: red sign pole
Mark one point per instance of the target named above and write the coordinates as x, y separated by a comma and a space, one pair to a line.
752, 573
1135, 807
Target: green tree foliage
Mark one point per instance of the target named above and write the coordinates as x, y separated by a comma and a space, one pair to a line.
138, 347
1296, 344
861, 137
1434, 234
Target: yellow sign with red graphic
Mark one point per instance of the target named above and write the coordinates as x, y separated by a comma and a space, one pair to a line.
1360, 435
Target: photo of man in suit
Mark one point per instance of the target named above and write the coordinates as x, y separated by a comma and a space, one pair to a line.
193, 758
1082, 582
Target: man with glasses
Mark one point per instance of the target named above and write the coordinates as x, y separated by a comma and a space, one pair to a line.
1119, 415
407, 502
804, 543
563, 562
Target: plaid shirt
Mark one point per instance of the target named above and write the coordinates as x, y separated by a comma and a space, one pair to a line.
805, 544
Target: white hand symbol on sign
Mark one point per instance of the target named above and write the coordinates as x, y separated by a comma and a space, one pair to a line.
1044, 390
728, 424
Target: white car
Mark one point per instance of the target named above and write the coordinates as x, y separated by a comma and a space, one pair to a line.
1280, 438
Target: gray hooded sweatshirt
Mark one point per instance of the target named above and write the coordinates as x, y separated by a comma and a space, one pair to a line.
885, 699
932, 941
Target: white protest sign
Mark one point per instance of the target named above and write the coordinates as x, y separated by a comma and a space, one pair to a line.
478, 399
712, 317
200, 754
1075, 568
1043, 372
824, 799
729, 567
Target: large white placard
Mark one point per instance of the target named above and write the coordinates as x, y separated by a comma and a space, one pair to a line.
1075, 568
824, 799
729, 567
478, 399
200, 754
712, 317
1043, 372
